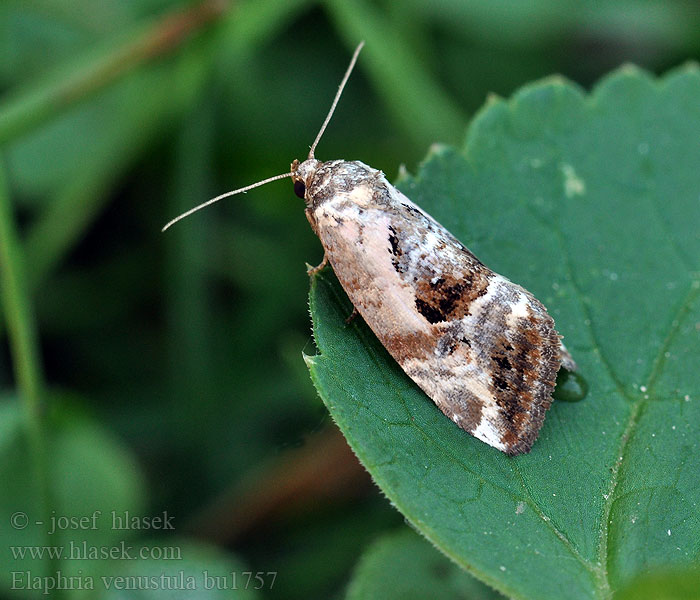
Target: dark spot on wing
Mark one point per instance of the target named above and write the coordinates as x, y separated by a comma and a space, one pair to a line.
499, 381
448, 298
394, 241
502, 362
430, 312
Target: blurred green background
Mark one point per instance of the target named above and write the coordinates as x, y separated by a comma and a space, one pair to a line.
181, 353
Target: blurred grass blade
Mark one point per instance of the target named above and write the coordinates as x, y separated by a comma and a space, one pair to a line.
67, 85
253, 23
17, 309
417, 102
24, 347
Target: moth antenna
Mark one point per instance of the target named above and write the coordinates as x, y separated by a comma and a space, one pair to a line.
353, 60
222, 196
337, 97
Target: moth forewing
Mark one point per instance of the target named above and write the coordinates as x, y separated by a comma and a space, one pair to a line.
481, 347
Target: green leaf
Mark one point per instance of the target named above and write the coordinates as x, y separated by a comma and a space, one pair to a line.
85, 483
404, 566
590, 202
674, 584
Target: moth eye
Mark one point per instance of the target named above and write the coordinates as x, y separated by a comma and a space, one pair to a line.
299, 189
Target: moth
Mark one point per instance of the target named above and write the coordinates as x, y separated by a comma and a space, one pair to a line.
482, 348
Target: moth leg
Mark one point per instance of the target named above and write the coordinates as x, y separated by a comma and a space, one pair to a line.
311, 271
352, 316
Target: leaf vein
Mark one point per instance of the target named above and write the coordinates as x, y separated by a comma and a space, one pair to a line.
635, 414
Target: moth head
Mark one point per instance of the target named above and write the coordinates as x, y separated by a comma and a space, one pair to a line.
302, 176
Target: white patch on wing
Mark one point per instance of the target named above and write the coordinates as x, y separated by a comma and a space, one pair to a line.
486, 432
360, 196
518, 310
477, 307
